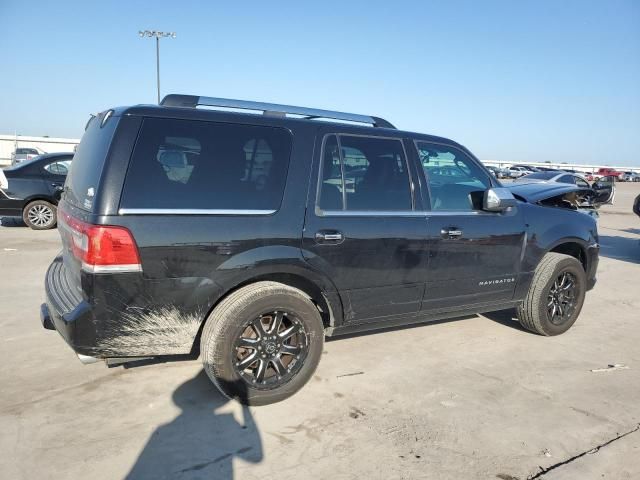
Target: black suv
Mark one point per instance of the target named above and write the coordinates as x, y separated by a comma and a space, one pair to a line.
247, 238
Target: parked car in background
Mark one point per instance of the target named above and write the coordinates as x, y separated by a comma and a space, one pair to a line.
530, 168
558, 176
497, 171
33, 189
602, 190
630, 177
607, 172
24, 154
517, 171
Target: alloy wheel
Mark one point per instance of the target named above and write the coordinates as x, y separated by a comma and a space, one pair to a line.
561, 301
270, 350
40, 215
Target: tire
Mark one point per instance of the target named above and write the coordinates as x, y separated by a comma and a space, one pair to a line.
534, 313
238, 319
40, 215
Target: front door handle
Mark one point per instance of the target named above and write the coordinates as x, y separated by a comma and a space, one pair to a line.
451, 232
329, 236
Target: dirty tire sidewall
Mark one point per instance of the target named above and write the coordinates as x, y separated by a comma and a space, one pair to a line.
227, 322
40, 203
533, 312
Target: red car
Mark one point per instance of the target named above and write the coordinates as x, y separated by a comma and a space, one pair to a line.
607, 172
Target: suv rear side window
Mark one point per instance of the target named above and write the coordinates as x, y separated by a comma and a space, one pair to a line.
185, 164
364, 173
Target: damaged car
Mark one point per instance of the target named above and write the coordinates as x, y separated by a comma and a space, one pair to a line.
200, 228
573, 193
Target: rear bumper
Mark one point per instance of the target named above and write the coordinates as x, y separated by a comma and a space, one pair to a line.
67, 313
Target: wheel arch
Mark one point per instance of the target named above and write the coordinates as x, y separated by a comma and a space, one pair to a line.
41, 197
573, 247
317, 288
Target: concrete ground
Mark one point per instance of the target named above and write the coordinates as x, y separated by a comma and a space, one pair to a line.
482, 399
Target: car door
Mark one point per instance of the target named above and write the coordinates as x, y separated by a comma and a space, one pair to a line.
604, 190
474, 255
364, 229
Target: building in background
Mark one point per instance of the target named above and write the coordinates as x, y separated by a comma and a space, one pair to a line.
9, 143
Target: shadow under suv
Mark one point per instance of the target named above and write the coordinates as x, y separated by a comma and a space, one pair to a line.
247, 238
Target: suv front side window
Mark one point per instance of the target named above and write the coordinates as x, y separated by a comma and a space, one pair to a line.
453, 177
361, 173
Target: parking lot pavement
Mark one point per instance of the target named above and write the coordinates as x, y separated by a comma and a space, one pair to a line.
474, 398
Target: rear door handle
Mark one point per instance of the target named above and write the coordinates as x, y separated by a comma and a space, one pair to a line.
329, 236
451, 232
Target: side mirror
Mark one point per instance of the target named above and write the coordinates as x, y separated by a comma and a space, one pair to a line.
498, 200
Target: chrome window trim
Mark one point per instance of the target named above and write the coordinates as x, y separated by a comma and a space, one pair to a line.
370, 213
401, 213
192, 211
125, 268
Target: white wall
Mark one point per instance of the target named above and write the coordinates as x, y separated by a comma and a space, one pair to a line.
8, 144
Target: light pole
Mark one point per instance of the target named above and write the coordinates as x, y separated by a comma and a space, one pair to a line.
158, 35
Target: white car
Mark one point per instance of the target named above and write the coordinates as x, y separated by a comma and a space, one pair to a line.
517, 172
630, 177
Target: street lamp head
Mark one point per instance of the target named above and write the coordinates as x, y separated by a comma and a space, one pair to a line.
156, 33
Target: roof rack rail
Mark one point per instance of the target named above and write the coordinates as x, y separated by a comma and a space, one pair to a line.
192, 101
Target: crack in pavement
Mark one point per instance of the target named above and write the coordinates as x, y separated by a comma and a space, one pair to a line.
544, 471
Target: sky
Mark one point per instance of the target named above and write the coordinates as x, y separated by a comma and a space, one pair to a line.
514, 81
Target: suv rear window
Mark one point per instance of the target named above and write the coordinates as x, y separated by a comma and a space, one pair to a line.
186, 164
82, 182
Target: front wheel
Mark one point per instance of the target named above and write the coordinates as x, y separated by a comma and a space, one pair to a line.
555, 296
262, 343
39, 215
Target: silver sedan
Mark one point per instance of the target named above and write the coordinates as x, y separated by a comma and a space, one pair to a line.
555, 176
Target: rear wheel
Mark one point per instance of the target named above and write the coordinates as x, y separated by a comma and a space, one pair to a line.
262, 343
555, 296
40, 215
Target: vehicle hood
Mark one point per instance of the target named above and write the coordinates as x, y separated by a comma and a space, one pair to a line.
536, 191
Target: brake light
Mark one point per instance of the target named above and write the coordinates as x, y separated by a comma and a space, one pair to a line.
100, 248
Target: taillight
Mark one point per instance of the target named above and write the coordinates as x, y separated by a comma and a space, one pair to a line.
100, 248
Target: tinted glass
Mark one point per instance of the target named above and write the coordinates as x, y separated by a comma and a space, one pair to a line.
581, 183
83, 179
566, 179
331, 176
453, 177
373, 175
206, 165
